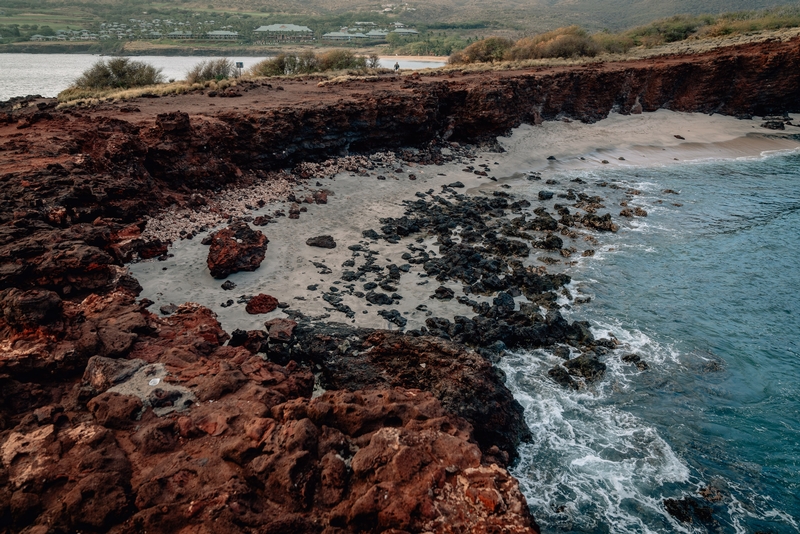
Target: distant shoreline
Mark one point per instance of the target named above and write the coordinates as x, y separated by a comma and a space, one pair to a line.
86, 48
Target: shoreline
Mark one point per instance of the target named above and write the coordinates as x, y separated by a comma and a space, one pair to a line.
81, 179
288, 268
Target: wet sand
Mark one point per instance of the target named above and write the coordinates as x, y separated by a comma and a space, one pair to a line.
358, 202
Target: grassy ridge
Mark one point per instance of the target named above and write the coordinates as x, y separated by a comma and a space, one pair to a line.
575, 42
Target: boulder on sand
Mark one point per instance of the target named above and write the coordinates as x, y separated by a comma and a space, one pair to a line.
322, 241
261, 303
236, 248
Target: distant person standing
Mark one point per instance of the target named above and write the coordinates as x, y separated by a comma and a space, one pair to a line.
396, 66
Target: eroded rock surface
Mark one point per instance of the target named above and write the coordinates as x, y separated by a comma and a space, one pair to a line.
251, 450
236, 248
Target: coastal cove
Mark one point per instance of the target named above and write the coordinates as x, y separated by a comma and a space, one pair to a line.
602, 458
554, 298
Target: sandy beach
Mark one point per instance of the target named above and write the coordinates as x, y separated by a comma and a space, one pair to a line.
356, 203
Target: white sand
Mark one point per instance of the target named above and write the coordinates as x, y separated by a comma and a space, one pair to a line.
358, 203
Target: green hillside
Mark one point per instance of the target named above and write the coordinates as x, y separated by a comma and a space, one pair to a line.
520, 15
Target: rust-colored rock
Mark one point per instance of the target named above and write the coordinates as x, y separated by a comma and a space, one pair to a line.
463, 381
236, 248
281, 330
224, 440
261, 303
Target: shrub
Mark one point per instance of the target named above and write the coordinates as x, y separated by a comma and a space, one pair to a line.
568, 42
119, 73
613, 43
275, 66
373, 61
669, 30
341, 60
213, 69
486, 50
308, 63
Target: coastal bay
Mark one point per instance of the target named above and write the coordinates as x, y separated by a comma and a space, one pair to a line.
327, 406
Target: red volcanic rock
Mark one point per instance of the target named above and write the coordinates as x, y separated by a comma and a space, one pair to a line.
105, 326
261, 303
127, 241
321, 197
464, 381
236, 248
280, 330
29, 308
247, 449
255, 452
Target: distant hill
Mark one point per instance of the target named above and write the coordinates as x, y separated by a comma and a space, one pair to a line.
521, 15
534, 15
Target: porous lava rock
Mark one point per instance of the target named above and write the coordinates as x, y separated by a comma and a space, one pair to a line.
254, 452
236, 248
261, 303
465, 382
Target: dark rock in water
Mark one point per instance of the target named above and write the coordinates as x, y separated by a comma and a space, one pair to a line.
604, 223
562, 352
551, 242
579, 333
444, 293
545, 195
393, 316
236, 248
380, 299
773, 125
228, 285
261, 303
587, 366
322, 241
636, 360
168, 309
561, 377
689, 509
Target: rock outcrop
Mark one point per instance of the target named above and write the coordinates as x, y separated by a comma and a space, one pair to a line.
115, 419
176, 430
236, 248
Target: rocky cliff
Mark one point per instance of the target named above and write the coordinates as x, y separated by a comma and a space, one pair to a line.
113, 419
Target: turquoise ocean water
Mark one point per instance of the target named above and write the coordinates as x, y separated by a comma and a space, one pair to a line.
707, 294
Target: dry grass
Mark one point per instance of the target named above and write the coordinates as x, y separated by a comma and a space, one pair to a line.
82, 97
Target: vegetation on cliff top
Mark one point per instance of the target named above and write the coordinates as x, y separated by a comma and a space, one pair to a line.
308, 63
576, 42
119, 73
